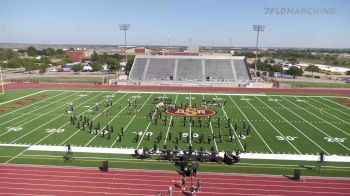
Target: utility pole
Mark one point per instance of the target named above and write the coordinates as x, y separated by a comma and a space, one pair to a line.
125, 27
257, 28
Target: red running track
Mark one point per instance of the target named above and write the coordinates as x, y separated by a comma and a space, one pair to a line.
180, 88
52, 180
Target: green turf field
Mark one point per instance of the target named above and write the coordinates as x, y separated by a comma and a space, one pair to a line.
279, 124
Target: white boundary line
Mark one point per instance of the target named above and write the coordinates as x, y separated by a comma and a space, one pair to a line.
285, 139
214, 93
294, 126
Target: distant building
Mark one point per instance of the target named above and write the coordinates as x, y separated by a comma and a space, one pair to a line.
78, 55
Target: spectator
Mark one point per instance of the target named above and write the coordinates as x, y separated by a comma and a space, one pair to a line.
170, 191
199, 185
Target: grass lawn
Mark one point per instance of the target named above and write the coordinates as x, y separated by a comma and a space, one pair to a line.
272, 124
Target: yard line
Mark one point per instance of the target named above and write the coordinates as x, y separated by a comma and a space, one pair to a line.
77, 131
336, 103
252, 125
35, 109
143, 135
330, 115
193, 93
26, 122
273, 126
293, 126
108, 123
320, 117
21, 97
211, 127
315, 127
19, 154
190, 125
41, 125
331, 107
29, 105
171, 118
130, 121
234, 131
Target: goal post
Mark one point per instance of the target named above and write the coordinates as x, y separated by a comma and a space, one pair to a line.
2, 89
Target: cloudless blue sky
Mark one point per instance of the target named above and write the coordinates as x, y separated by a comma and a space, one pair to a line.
96, 22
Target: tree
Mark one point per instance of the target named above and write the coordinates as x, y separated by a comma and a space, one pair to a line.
312, 69
42, 69
51, 52
31, 51
294, 71
14, 63
77, 68
96, 66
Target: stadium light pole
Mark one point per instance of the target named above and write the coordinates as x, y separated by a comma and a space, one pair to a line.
169, 41
149, 42
125, 27
230, 43
257, 28
190, 41
212, 46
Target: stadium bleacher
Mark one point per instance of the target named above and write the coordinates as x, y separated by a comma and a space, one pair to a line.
223, 69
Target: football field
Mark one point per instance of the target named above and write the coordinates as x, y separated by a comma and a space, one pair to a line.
127, 120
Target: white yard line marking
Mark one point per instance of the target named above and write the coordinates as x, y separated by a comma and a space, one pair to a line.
336, 102
285, 139
330, 107
251, 125
171, 118
131, 120
78, 130
317, 128
145, 131
52, 132
323, 120
40, 125
285, 120
39, 116
21, 98
30, 105
98, 133
190, 134
194, 93
211, 128
35, 109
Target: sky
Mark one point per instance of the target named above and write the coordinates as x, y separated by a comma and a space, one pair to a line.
207, 22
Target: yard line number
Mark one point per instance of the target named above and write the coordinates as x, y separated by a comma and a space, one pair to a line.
288, 137
54, 130
336, 139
